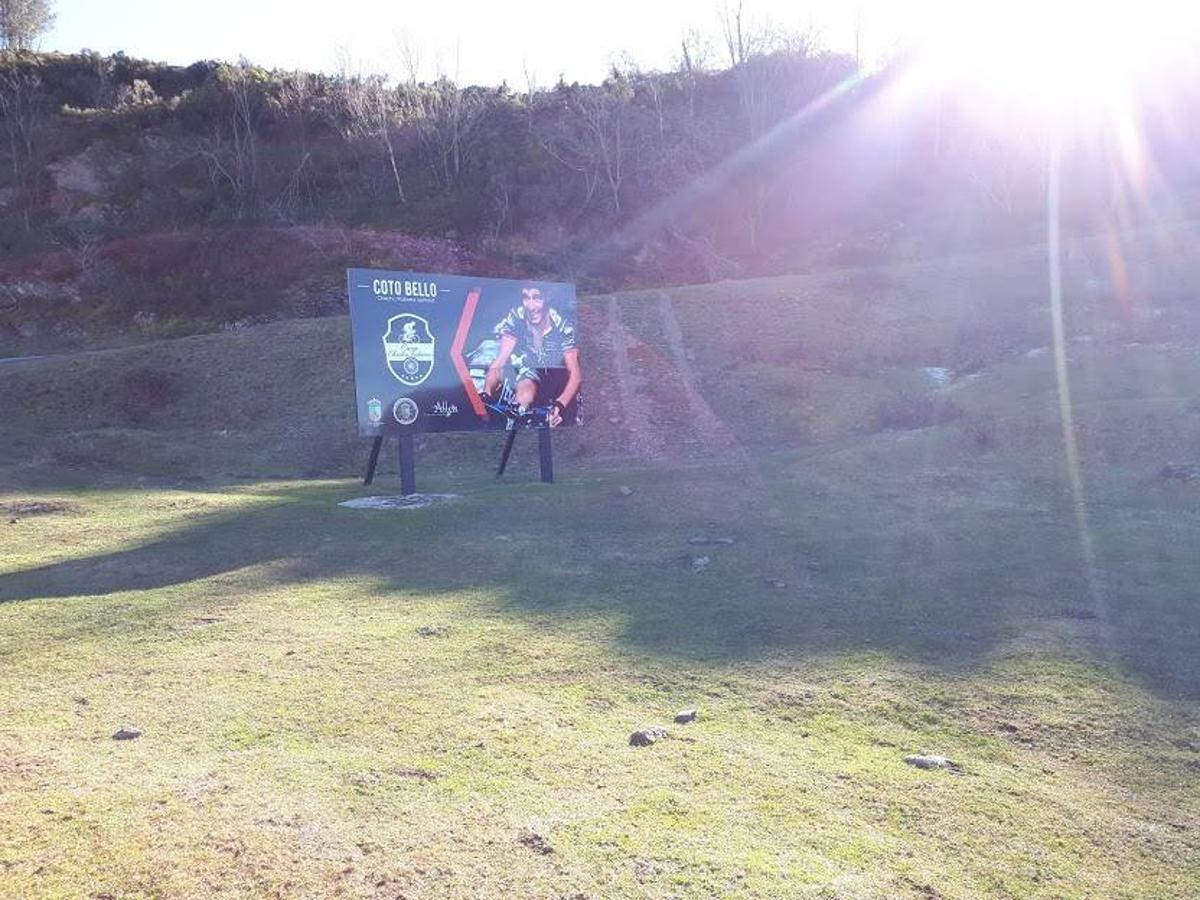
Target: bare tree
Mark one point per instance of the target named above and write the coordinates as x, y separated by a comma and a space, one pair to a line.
591, 138
731, 32
763, 66
603, 120
106, 91
242, 128
408, 50
22, 22
297, 98
499, 203
232, 151
366, 108
695, 53
531, 90
743, 36
450, 116
1004, 167
859, 23
22, 113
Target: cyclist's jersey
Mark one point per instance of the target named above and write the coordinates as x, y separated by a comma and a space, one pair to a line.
528, 356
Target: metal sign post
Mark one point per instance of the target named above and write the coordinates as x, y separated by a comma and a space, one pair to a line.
408, 477
509, 439
407, 458
374, 460
546, 456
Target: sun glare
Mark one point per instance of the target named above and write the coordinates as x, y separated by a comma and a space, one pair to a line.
1058, 57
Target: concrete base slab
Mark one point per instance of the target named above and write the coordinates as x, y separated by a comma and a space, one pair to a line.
411, 501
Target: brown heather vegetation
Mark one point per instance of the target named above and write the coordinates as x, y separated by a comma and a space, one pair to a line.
784, 161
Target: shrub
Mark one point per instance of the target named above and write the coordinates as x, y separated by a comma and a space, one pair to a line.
979, 434
145, 392
910, 411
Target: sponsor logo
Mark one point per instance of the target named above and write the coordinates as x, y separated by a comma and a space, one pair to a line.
444, 408
408, 346
374, 411
405, 410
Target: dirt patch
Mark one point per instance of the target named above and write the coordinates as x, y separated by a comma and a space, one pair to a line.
371, 780
535, 842
419, 774
18, 768
920, 890
145, 392
709, 428
642, 439
38, 507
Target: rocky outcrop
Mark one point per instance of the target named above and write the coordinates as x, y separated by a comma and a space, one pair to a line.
83, 181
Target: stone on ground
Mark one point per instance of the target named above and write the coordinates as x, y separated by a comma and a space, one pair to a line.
644, 737
921, 761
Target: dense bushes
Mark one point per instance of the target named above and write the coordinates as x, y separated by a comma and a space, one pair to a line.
168, 284
671, 176
911, 410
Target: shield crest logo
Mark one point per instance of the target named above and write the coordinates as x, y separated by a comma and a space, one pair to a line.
408, 345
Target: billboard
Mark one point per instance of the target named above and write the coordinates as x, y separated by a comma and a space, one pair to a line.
453, 353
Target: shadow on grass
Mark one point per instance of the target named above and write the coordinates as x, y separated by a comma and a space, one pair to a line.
937, 566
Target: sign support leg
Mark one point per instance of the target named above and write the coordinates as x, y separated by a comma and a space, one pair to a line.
509, 439
374, 460
408, 476
546, 456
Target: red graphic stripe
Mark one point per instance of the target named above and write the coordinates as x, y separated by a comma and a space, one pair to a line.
460, 361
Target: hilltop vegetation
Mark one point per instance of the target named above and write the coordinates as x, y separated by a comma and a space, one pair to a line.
784, 161
120, 147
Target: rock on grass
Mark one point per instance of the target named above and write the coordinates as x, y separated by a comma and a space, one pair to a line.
535, 842
921, 761
1180, 473
126, 733
686, 715
644, 737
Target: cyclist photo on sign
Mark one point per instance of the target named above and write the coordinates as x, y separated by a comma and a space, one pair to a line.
540, 344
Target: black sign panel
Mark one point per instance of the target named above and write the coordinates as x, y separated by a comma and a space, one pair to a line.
453, 353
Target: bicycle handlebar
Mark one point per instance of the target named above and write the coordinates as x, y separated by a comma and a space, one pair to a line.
534, 417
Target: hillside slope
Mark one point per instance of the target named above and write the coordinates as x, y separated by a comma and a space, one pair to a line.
677, 374
837, 513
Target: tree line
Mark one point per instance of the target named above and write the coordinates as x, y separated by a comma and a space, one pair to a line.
703, 171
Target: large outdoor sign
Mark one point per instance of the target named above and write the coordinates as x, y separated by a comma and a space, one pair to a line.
452, 353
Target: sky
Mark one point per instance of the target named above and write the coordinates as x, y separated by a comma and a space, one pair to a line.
477, 43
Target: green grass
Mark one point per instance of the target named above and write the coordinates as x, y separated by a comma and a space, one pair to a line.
266, 642
924, 590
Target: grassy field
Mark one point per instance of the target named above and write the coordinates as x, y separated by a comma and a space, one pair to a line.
438, 702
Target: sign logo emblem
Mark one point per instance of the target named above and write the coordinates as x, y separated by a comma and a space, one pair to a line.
408, 345
374, 411
405, 410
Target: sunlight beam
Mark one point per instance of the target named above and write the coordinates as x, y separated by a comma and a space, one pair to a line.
1062, 377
